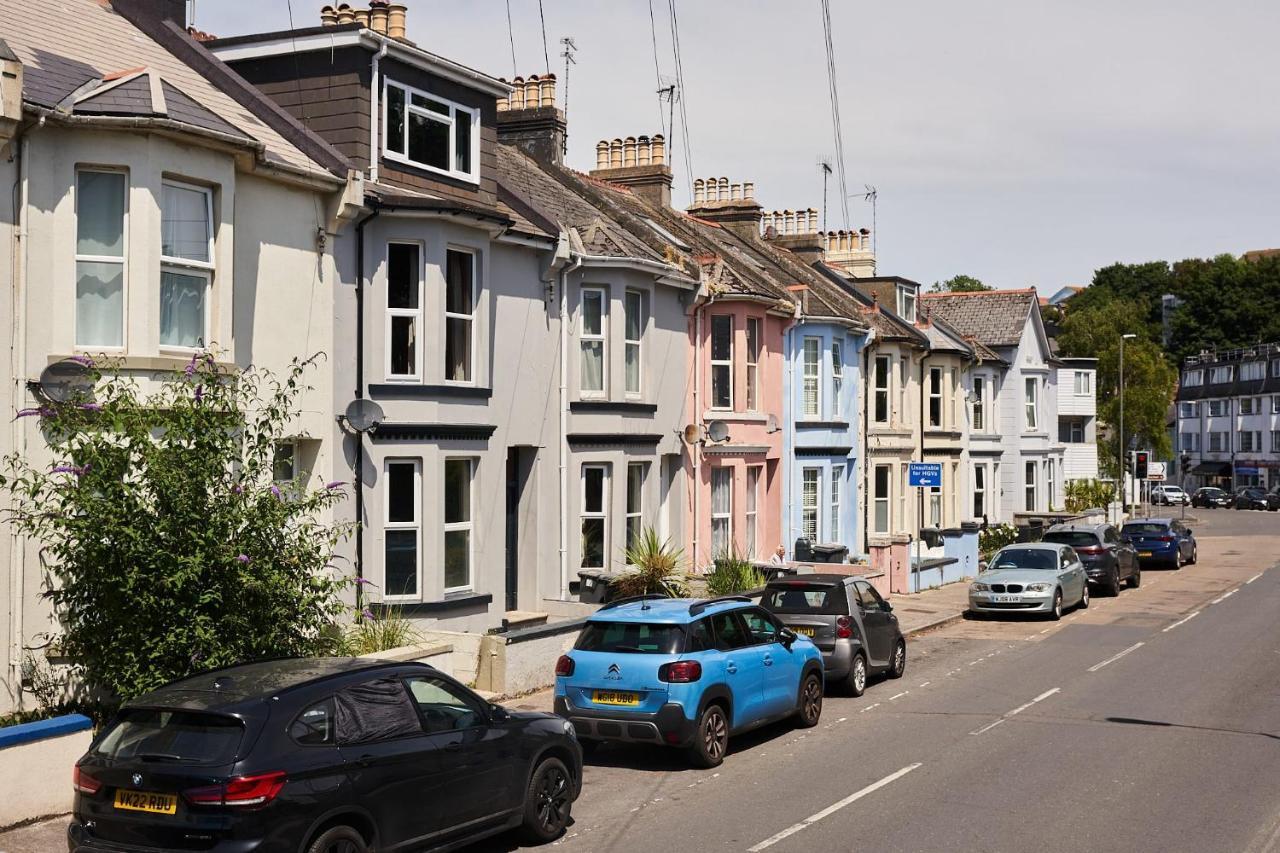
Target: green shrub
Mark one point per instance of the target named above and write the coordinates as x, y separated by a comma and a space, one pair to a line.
1088, 494
376, 632
655, 568
996, 537
732, 574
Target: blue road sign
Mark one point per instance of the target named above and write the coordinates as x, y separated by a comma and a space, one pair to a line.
924, 474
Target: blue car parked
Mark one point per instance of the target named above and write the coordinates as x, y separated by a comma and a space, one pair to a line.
686, 673
1163, 541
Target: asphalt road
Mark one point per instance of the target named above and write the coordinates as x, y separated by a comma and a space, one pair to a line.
1150, 722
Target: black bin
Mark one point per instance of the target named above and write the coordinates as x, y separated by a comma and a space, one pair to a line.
593, 586
830, 553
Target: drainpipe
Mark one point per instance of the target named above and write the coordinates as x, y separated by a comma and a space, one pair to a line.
697, 420
789, 413
375, 112
359, 466
564, 263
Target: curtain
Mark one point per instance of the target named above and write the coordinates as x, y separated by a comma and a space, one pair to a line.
185, 226
182, 299
592, 366
99, 304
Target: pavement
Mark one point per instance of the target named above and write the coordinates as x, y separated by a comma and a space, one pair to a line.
1148, 722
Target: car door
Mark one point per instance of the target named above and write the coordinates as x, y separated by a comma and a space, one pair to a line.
1071, 575
782, 666
394, 766
743, 667
478, 755
877, 622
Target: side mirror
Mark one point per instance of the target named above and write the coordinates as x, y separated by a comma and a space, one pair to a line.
498, 714
1190, 531
886, 606
982, 566
786, 636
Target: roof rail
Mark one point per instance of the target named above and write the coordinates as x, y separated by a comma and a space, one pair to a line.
699, 606
632, 600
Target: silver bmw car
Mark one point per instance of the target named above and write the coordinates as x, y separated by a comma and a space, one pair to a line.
1033, 577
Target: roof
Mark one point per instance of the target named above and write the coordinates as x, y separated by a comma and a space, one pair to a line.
880, 317
222, 688
671, 611
810, 580
76, 46
997, 318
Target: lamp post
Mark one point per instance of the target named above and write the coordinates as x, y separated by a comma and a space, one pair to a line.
1124, 485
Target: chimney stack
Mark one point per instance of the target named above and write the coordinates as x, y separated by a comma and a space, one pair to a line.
850, 252
638, 163
731, 205
796, 231
382, 16
530, 119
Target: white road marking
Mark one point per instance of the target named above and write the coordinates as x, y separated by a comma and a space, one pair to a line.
1015, 711
1225, 596
925, 683
972, 662
1116, 657
869, 707
842, 719
1181, 621
1255, 577
832, 809
899, 695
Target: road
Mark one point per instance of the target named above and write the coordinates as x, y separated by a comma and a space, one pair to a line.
1149, 722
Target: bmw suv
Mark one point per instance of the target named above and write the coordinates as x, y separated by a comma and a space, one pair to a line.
686, 673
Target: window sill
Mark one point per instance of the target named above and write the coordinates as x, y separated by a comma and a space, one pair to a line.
453, 601
168, 360
735, 417
816, 424
614, 406
414, 391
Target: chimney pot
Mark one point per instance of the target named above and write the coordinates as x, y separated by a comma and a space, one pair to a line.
735, 192
644, 151
659, 155
722, 189
629, 151
532, 92
395, 20
517, 93
615, 154
362, 17
548, 90
345, 15
788, 222
699, 192
328, 16
813, 219
602, 154
378, 16
749, 190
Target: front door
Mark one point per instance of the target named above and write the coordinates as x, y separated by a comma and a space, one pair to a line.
876, 621
513, 528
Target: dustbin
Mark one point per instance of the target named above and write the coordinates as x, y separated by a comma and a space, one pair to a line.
831, 553
1033, 532
593, 586
803, 552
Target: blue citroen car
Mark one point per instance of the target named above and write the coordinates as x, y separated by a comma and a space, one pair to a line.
686, 673
1164, 541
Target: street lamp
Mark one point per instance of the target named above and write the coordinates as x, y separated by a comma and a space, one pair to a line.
1124, 486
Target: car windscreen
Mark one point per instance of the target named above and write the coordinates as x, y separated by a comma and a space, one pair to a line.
806, 598
1141, 528
185, 737
631, 638
1025, 558
1212, 493
1074, 538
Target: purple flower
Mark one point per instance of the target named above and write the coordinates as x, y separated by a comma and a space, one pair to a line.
82, 359
363, 581
237, 489
196, 657
275, 490
78, 470
242, 558
199, 393
367, 614
43, 411
91, 407
190, 369
336, 484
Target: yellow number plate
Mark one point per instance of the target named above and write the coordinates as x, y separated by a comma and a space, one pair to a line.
614, 697
142, 801
1144, 553
801, 629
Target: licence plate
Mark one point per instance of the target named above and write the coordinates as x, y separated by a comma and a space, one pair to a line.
142, 801
1006, 599
1144, 553
803, 629
614, 697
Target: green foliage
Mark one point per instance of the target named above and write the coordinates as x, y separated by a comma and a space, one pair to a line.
1088, 494
657, 568
959, 284
996, 537
732, 574
376, 632
168, 546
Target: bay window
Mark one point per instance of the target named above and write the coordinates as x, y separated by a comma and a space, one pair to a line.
635, 501
812, 402
100, 258
591, 379
458, 513
721, 361
837, 486
634, 321
595, 515
884, 366
721, 511
881, 481
979, 490
430, 132
752, 514
402, 528
404, 311
753, 364
186, 264
1031, 386
1030, 487
810, 485
459, 316
837, 379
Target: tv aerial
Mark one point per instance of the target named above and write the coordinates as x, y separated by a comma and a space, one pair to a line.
65, 381
363, 415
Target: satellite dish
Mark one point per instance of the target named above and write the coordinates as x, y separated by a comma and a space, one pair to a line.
364, 415
772, 425
691, 434
718, 431
66, 380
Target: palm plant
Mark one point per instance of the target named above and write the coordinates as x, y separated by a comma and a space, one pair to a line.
655, 567
732, 574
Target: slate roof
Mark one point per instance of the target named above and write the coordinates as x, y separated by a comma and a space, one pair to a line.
997, 318
133, 94
68, 45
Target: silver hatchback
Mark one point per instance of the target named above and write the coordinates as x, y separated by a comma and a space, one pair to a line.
1033, 577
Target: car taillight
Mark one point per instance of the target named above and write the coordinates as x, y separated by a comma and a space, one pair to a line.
844, 627
84, 783
242, 791
1090, 549
1166, 538
564, 667
680, 672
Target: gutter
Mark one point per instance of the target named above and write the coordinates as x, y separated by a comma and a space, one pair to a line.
375, 91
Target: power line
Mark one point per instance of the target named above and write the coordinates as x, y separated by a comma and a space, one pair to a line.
657, 71
511, 36
545, 54
684, 114
834, 95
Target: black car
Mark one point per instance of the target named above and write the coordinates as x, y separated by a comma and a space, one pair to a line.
321, 755
1211, 498
1108, 557
847, 620
1251, 497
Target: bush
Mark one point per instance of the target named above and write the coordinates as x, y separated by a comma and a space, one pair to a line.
376, 632
657, 568
996, 537
732, 574
169, 547
1088, 494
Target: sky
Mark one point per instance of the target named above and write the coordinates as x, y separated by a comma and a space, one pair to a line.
1023, 142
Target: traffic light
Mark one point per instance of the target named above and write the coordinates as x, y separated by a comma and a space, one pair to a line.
1140, 465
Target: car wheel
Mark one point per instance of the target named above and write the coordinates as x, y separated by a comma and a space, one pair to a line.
711, 738
1135, 579
1084, 598
1194, 555
547, 801
339, 839
1056, 613
1177, 560
899, 664
856, 682
1113, 586
810, 710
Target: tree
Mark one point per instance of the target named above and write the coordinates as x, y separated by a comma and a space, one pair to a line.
170, 549
959, 284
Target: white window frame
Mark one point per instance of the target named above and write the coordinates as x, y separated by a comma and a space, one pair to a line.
715, 362
980, 483
1083, 383
186, 266
725, 516
907, 299
1220, 375
751, 514
1031, 403
633, 344
470, 319
636, 514
1030, 485
1188, 410
1189, 442
1219, 409
122, 260
1275, 367
884, 391
811, 377
837, 379
935, 502
904, 373
1050, 483
1074, 425
810, 500
936, 398
1192, 378
979, 415
415, 525
454, 107
1275, 441
603, 513
1215, 441
1249, 405
1250, 441
754, 330
292, 447
415, 314
837, 505
601, 337
1275, 405
1251, 370
904, 489
468, 526
879, 500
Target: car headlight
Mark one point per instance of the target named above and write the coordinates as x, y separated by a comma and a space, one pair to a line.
570, 730
1038, 587
979, 587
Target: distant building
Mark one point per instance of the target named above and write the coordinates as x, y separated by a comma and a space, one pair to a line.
1063, 294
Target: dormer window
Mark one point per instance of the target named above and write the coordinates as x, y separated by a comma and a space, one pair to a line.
430, 132
907, 302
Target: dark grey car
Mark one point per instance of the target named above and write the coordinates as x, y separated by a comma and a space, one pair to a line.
847, 620
1109, 558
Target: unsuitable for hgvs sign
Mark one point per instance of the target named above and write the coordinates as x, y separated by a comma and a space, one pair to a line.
927, 474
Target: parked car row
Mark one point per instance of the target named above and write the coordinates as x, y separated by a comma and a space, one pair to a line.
1244, 497
1056, 573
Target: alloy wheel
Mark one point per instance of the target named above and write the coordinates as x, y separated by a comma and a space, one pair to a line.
1084, 596
811, 703
899, 659
715, 734
552, 799
859, 673
342, 845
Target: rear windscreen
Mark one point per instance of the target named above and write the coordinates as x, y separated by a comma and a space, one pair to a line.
1074, 538
174, 736
631, 637
1145, 528
828, 600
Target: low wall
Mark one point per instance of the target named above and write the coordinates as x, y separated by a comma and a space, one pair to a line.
521, 661
36, 760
